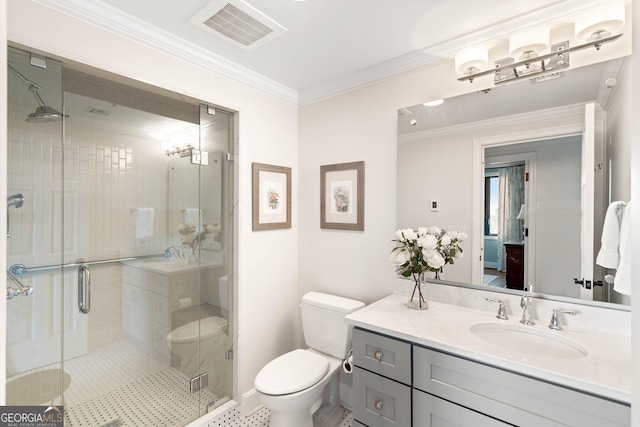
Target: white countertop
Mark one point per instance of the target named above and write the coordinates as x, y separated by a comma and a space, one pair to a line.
170, 266
605, 371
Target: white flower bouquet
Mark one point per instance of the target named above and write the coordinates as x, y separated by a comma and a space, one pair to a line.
428, 249
192, 237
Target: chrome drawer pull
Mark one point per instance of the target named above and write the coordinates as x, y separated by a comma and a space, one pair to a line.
378, 405
378, 355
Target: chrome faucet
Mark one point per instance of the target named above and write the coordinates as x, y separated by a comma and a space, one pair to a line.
525, 303
555, 320
502, 311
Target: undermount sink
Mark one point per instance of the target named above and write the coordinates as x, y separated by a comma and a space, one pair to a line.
529, 340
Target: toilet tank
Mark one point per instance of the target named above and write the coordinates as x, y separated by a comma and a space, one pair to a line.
323, 322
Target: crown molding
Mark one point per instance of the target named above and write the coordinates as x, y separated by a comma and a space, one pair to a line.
106, 17
115, 21
576, 110
446, 50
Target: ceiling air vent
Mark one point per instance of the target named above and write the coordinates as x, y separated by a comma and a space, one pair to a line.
238, 23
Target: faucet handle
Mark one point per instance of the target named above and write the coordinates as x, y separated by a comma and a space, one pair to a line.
502, 311
555, 320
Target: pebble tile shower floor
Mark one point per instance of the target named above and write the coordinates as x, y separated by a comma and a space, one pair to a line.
118, 385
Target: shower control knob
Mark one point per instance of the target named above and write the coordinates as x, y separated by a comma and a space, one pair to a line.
378, 355
378, 405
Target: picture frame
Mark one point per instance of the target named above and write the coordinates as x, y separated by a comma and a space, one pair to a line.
271, 188
342, 196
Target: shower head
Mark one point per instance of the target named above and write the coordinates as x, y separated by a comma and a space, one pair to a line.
43, 113
15, 200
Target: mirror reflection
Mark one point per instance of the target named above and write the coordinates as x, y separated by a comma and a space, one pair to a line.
528, 170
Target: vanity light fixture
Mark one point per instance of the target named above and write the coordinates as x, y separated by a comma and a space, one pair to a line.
471, 60
529, 43
594, 25
600, 21
182, 151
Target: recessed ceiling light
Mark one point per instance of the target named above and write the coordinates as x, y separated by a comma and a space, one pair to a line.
433, 103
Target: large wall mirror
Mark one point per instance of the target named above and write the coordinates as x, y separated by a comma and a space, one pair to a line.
527, 170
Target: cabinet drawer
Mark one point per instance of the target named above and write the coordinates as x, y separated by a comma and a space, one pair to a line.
383, 355
511, 397
380, 402
430, 411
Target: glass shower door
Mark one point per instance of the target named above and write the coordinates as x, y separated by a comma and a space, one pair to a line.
124, 237
36, 326
132, 277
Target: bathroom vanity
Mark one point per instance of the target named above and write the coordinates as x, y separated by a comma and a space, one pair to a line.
453, 365
156, 290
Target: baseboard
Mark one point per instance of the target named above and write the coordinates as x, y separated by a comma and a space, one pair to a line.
345, 394
228, 412
491, 265
250, 403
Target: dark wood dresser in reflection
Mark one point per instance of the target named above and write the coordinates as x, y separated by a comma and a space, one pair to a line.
515, 265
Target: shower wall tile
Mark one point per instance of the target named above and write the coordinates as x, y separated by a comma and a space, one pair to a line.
103, 180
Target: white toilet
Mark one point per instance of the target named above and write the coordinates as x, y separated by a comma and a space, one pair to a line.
295, 385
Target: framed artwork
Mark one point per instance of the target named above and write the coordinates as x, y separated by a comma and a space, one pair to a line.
342, 196
271, 187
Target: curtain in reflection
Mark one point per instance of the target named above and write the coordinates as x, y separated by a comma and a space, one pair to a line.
510, 199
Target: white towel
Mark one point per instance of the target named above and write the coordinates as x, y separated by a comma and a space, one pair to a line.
144, 222
195, 216
609, 254
622, 281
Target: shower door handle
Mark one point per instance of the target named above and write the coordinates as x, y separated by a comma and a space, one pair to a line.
84, 289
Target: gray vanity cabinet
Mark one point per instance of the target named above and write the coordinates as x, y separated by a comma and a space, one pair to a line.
398, 383
508, 396
431, 411
381, 380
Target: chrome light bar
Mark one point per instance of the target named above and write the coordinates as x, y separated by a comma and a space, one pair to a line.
507, 70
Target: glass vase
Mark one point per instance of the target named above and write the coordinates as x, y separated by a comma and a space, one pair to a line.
417, 299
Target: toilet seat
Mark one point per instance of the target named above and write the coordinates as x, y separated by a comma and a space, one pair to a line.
291, 372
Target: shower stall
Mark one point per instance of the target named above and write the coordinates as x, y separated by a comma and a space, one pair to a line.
119, 247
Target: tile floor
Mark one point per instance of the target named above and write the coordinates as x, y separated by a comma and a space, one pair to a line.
261, 419
114, 385
117, 385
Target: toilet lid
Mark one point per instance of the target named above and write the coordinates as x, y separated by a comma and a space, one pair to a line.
291, 372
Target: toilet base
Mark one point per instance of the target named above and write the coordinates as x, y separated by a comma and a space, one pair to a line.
297, 410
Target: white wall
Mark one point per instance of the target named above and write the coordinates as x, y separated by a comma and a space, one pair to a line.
268, 134
359, 125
